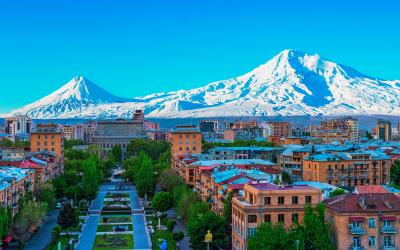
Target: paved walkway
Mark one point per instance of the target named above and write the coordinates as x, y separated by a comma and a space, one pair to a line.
43, 237
86, 239
88, 235
180, 227
140, 236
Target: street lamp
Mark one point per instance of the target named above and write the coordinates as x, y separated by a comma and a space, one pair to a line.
297, 244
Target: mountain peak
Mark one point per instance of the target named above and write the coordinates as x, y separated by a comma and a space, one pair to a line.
291, 83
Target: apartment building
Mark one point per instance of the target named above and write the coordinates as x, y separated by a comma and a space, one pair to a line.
47, 137
213, 182
365, 221
383, 130
20, 124
346, 124
230, 153
12, 153
347, 169
265, 202
14, 183
280, 129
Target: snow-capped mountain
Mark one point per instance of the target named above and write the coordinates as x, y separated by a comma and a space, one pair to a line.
291, 83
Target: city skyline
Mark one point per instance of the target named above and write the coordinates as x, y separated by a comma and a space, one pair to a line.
142, 48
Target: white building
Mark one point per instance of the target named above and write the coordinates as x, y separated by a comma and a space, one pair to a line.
20, 124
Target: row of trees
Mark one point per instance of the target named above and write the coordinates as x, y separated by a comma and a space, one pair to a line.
313, 233
237, 143
83, 173
6, 221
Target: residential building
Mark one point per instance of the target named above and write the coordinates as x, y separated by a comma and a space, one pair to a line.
348, 170
148, 125
280, 129
346, 124
265, 202
185, 139
12, 153
230, 153
328, 136
209, 126
383, 130
47, 137
20, 124
159, 135
243, 134
14, 183
365, 221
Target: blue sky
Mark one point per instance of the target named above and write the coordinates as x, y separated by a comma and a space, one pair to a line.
133, 48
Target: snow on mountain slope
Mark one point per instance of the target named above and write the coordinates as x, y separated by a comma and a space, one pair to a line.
291, 83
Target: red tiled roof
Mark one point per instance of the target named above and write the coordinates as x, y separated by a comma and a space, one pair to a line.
384, 202
235, 186
371, 189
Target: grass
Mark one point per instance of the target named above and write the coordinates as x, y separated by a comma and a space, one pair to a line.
117, 218
109, 228
166, 235
101, 244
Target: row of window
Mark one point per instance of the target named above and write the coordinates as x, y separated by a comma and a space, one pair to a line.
187, 148
44, 149
187, 142
281, 200
45, 143
187, 136
387, 241
45, 136
252, 218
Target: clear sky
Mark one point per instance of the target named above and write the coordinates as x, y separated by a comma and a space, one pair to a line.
133, 48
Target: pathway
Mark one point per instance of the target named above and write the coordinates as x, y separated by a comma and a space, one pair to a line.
43, 237
180, 227
141, 237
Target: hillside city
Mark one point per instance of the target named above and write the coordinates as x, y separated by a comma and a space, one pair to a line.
129, 183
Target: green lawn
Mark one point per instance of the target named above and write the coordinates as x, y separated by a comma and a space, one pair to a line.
115, 241
117, 218
163, 234
109, 228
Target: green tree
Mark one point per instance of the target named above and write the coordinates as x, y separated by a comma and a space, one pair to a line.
187, 199
168, 180
67, 217
315, 229
197, 210
395, 172
178, 236
90, 180
228, 209
286, 177
144, 176
198, 228
46, 193
116, 153
270, 237
336, 192
161, 201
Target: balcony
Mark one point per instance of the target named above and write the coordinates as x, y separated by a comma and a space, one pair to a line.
357, 230
388, 230
356, 248
389, 247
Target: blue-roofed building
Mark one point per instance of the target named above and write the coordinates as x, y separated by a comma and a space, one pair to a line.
348, 169
228, 153
324, 187
14, 183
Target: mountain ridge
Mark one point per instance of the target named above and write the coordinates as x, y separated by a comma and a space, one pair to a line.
291, 83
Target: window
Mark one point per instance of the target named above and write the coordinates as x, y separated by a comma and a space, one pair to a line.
281, 200
194, 148
356, 241
267, 200
180, 148
267, 218
308, 199
252, 218
295, 200
371, 241
38, 143
281, 218
295, 218
371, 222
387, 241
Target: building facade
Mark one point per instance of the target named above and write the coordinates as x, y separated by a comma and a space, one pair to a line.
47, 137
383, 130
265, 202
20, 124
365, 221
